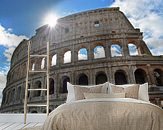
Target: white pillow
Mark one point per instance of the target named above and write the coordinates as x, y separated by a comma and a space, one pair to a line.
143, 92
104, 95
71, 93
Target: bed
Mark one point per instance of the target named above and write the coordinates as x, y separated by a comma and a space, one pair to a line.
106, 107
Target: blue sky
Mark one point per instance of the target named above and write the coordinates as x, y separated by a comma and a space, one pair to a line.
20, 18
24, 16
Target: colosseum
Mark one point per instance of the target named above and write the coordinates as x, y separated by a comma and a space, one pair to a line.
90, 47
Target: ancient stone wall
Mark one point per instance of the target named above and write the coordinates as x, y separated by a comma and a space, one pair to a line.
87, 48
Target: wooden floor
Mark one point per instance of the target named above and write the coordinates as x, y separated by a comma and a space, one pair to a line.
16, 121
17, 126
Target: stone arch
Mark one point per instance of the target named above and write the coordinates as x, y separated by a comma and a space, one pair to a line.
13, 95
34, 111
51, 86
37, 85
132, 49
18, 93
65, 79
82, 54
140, 76
143, 49
116, 50
33, 66
120, 77
4, 98
101, 78
99, 52
82, 79
54, 60
50, 110
29, 86
67, 57
158, 74
44, 111
39, 63
9, 97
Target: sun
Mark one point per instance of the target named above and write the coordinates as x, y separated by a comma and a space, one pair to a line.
51, 20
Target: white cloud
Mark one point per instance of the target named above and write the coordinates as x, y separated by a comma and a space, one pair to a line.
9, 41
67, 57
132, 49
82, 54
8, 53
2, 82
116, 50
148, 17
43, 63
1, 95
2, 79
99, 52
54, 60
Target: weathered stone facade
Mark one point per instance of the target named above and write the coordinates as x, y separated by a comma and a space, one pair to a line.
100, 28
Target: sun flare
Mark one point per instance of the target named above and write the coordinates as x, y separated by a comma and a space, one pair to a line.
51, 20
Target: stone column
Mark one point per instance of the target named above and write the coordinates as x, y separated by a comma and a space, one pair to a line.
90, 54
92, 77
125, 47
111, 71
131, 74
73, 77
74, 56
150, 75
58, 84
60, 57
109, 51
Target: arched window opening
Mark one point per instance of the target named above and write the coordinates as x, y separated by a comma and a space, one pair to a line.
83, 79
13, 95
18, 93
37, 85
140, 76
101, 78
54, 60
50, 110
96, 24
8, 99
120, 77
99, 52
158, 77
44, 111
34, 111
43, 63
33, 66
132, 49
29, 91
4, 98
65, 79
67, 57
116, 50
51, 86
82, 54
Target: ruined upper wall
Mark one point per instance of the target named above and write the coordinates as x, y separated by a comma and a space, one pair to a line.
106, 21
84, 24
